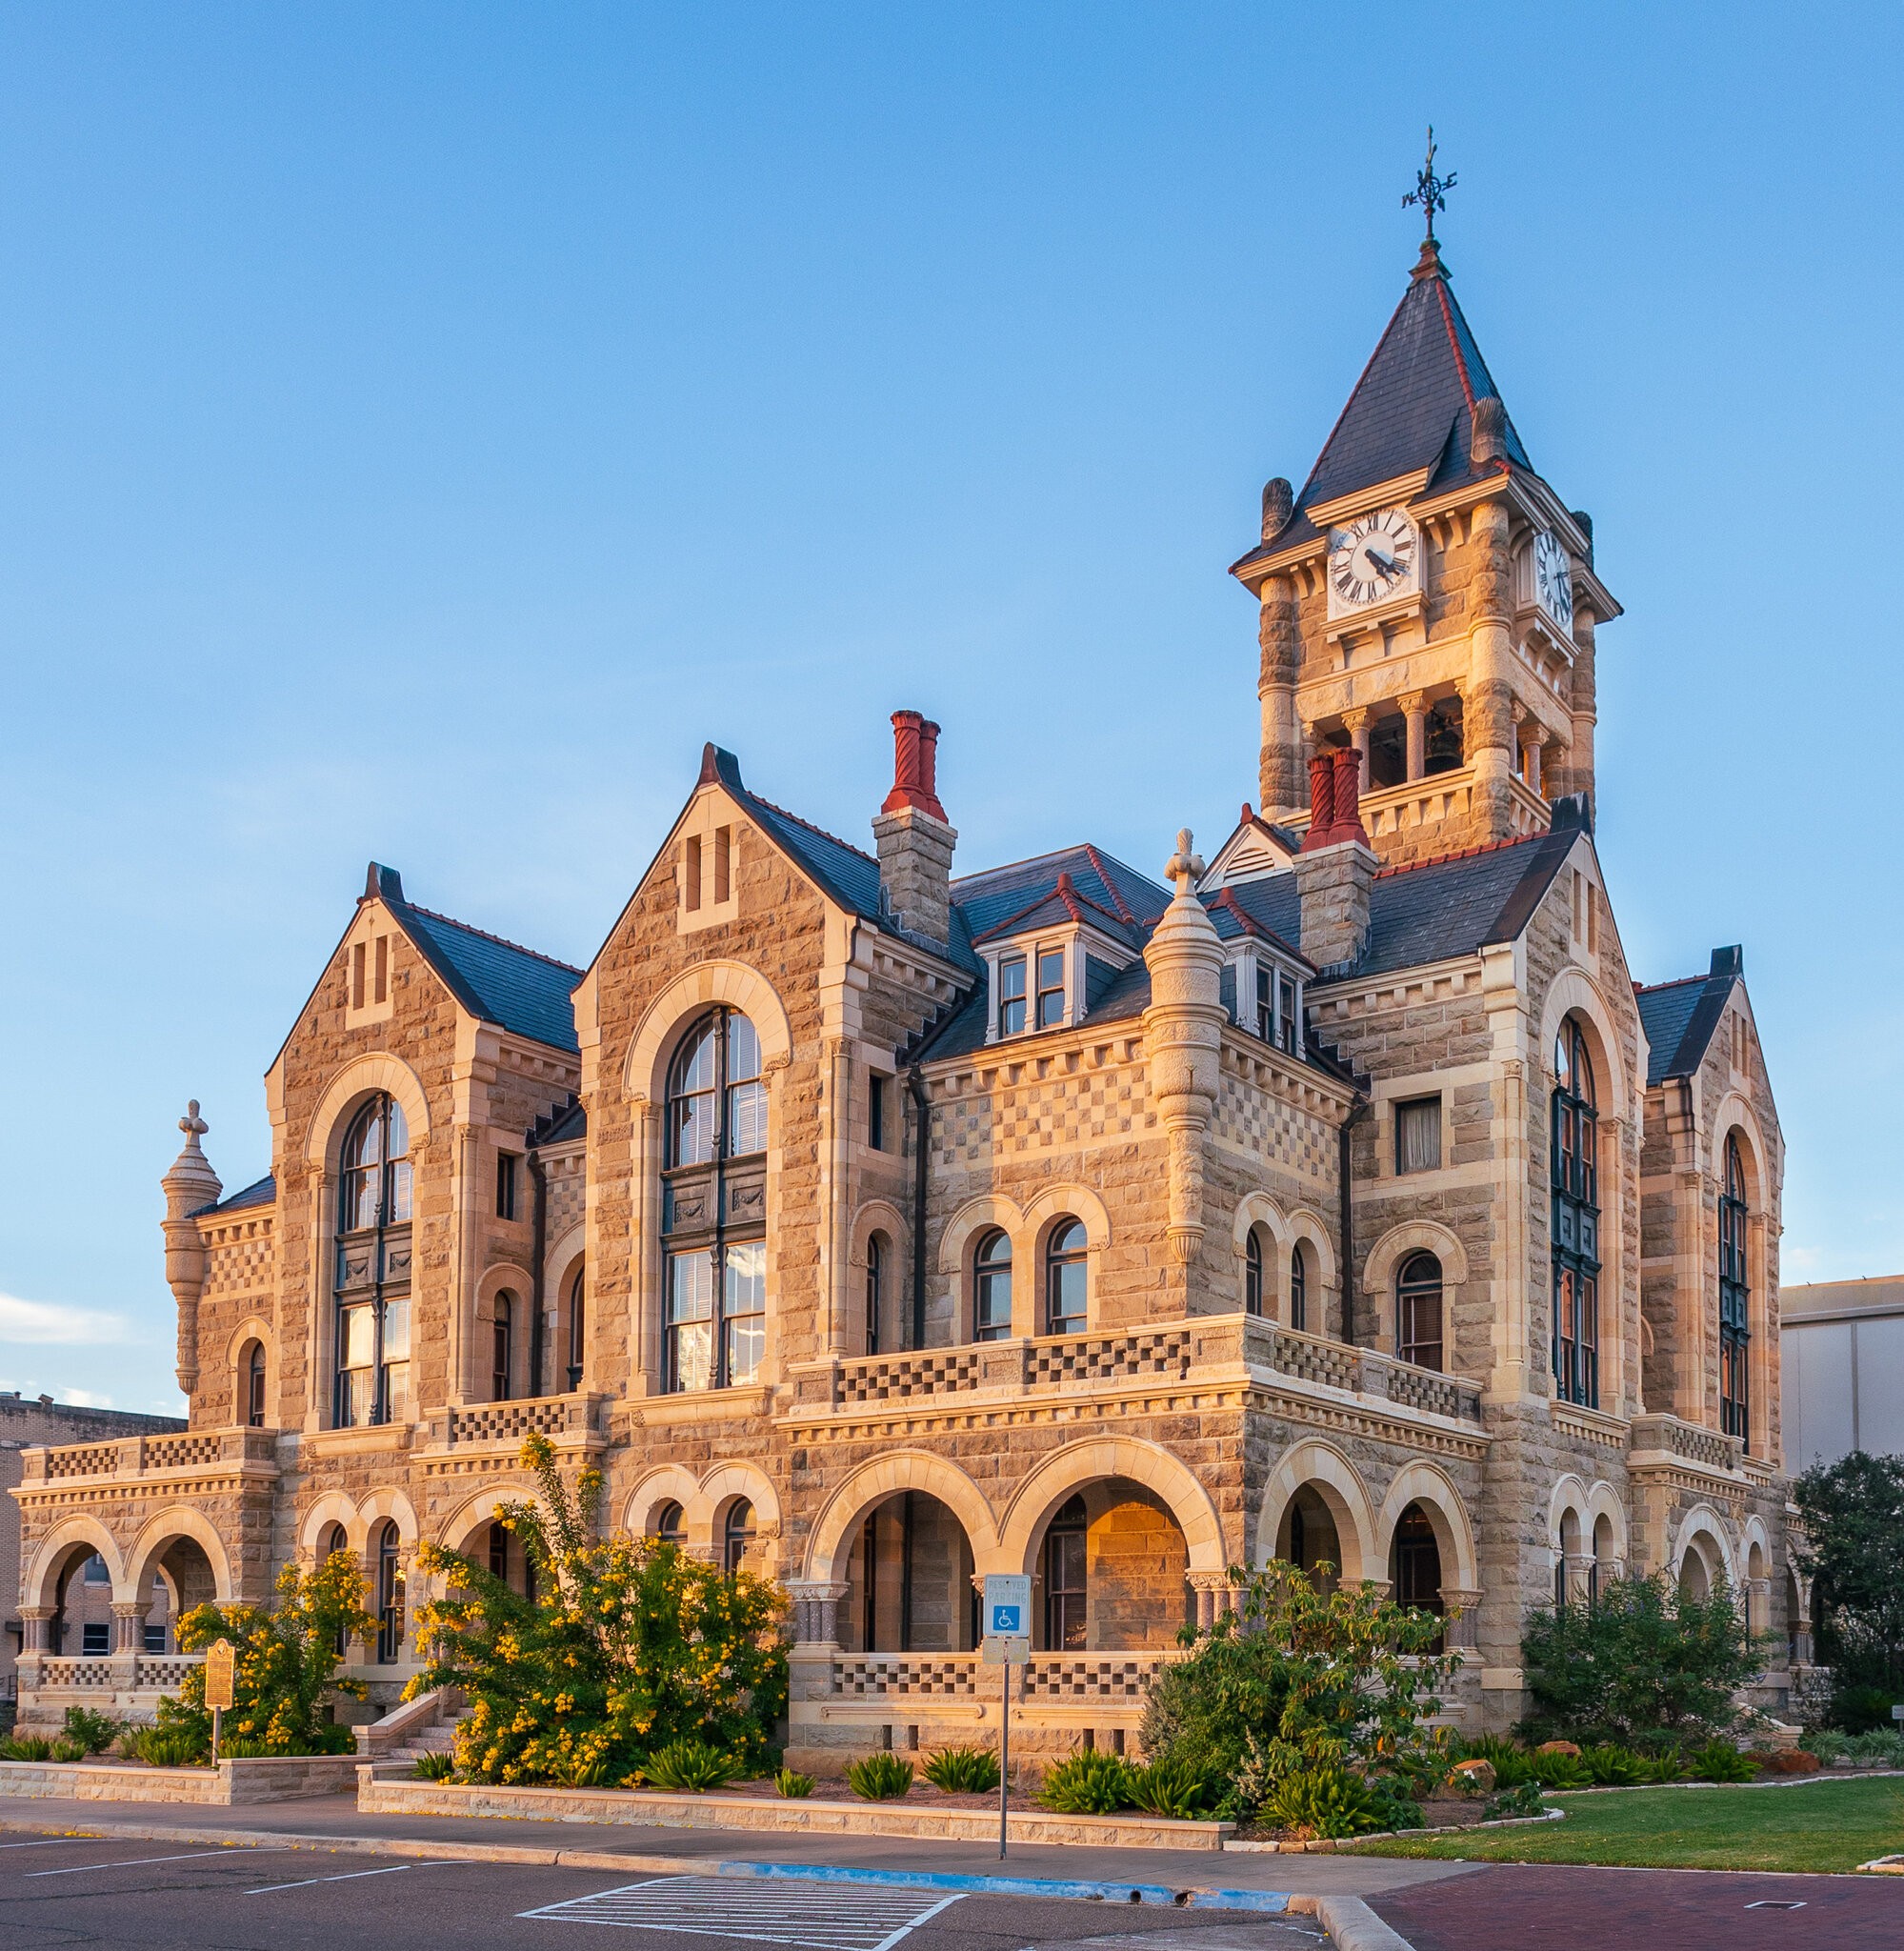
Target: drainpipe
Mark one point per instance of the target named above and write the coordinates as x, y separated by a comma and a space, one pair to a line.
538, 1180
916, 1089
1346, 1215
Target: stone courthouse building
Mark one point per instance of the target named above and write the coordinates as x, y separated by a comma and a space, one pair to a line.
878, 1219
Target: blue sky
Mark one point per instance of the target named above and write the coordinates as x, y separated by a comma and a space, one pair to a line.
421, 427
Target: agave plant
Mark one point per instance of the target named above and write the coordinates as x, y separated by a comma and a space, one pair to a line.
1090, 1783
879, 1777
963, 1771
690, 1766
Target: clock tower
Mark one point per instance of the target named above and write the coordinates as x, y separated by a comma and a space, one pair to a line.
1428, 600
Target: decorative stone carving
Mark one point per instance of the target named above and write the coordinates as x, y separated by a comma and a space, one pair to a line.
190, 1184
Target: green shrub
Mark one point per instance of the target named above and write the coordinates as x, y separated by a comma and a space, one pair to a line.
1174, 1788
1613, 1766
29, 1747
1323, 1800
1721, 1761
1394, 1807
162, 1747
1883, 1745
1090, 1783
629, 1646
793, 1785
1560, 1771
878, 1778
1854, 1514
434, 1767
1830, 1744
963, 1771
237, 1748
1667, 1764
64, 1748
1522, 1799
1513, 1767
690, 1765
1644, 1658
94, 1732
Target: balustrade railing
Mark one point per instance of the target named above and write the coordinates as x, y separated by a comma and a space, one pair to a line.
1092, 1679
510, 1422
1696, 1444
1362, 1371
149, 1455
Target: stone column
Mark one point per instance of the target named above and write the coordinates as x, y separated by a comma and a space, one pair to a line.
1214, 1595
1414, 708
1357, 723
1530, 754
816, 1605
1463, 1606
1579, 1578
1488, 731
1279, 767
36, 1628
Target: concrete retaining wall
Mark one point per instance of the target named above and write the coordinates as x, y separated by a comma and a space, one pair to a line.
260, 1778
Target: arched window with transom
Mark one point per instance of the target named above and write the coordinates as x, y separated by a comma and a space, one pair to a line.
502, 1346
1067, 1278
1418, 1311
1066, 1595
372, 1271
1299, 1288
1574, 1170
330, 1543
992, 1287
714, 1206
1735, 1301
670, 1525
877, 1256
390, 1594
254, 1384
576, 1326
736, 1535
1255, 1298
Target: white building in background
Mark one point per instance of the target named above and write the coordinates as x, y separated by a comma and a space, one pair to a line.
1843, 1348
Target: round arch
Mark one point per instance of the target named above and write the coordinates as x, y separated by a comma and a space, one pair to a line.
356, 1081
1319, 1466
1258, 1208
1570, 1493
1423, 1483
1177, 1487
1574, 994
1735, 1117
721, 1486
478, 1511
1604, 1506
1392, 1249
644, 1074
181, 1520
39, 1587
334, 1507
253, 1328
874, 1482
393, 1504
1702, 1530
1078, 1202
977, 1216
668, 1483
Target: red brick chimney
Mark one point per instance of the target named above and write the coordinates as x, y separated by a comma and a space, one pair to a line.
1335, 868
914, 836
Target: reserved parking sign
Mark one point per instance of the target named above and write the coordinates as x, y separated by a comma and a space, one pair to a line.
1008, 1605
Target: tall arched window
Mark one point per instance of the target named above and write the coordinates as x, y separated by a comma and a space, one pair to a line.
333, 1541
1066, 1278
1252, 1272
1299, 1288
991, 1288
1418, 1311
714, 1206
875, 1289
389, 1594
1575, 1172
1065, 1591
372, 1277
1414, 1562
670, 1524
254, 1386
736, 1535
502, 1346
1734, 1297
577, 1324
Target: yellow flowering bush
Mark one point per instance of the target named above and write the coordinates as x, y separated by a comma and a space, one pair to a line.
287, 1661
624, 1646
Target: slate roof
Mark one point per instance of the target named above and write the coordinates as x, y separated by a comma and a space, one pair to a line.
1412, 409
990, 900
1679, 1016
261, 1192
561, 1126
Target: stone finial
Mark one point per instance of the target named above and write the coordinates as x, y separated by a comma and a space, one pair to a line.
1489, 441
1278, 505
1184, 866
189, 1185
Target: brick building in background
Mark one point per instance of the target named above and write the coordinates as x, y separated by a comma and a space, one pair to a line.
89, 1609
1339, 1199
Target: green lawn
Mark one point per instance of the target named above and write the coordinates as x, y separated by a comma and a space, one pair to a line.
1828, 1825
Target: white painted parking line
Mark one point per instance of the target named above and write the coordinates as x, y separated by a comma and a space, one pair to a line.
821, 1916
133, 1863
54, 1841
351, 1875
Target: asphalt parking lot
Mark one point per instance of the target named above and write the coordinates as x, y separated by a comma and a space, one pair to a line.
66, 1891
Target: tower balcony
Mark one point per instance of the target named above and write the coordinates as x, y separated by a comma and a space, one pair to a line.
1434, 813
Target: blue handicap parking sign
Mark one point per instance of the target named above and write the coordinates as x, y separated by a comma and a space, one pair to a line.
1005, 1620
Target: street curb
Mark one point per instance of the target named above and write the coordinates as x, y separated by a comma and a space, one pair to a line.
1183, 1897
1351, 1925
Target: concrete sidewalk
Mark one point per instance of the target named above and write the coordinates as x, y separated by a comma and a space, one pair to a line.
333, 1822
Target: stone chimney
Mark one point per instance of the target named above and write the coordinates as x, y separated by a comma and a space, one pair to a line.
1336, 867
1183, 1037
190, 1184
914, 836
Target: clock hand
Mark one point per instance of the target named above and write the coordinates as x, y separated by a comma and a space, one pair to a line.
1386, 564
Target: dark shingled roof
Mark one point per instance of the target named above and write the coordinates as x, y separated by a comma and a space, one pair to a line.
986, 900
1412, 409
261, 1192
1679, 1016
561, 1126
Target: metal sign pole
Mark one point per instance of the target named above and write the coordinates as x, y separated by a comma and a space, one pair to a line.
218, 1718
1004, 1758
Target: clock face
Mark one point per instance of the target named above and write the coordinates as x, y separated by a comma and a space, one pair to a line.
1553, 579
1371, 560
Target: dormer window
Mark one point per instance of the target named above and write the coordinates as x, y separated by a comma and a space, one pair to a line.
1276, 1013
1047, 965
1050, 987
1012, 995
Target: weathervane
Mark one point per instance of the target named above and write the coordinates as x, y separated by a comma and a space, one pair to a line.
1430, 191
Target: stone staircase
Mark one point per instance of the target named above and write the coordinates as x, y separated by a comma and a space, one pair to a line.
423, 1727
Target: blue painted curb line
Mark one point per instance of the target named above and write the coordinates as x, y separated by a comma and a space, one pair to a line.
1192, 1898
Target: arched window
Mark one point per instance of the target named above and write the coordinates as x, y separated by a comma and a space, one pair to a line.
1735, 1295
991, 1288
499, 1552
1418, 1311
875, 1289
254, 1386
1574, 1170
502, 1346
333, 1541
1066, 1278
372, 1277
1299, 1288
736, 1535
577, 1324
1252, 1272
670, 1524
714, 1206
1414, 1562
389, 1594
1065, 1594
